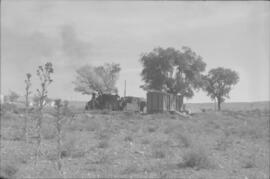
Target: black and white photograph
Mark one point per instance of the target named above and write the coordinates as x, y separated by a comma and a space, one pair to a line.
134, 89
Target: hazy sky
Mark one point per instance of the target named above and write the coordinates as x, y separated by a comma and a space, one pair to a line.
74, 33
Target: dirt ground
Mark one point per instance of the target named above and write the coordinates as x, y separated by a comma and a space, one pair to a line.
103, 144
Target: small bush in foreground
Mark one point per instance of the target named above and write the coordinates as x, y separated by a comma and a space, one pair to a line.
185, 141
223, 143
130, 169
128, 138
48, 133
68, 147
8, 171
152, 128
249, 162
197, 159
145, 141
13, 134
103, 144
92, 126
158, 154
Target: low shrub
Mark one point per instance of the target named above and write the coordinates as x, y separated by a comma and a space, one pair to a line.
128, 138
69, 150
185, 141
145, 141
152, 128
48, 132
13, 134
92, 126
103, 134
203, 110
9, 107
130, 169
68, 147
9, 115
253, 131
196, 158
223, 143
53, 156
249, 162
158, 153
105, 111
129, 113
74, 127
77, 154
103, 144
8, 171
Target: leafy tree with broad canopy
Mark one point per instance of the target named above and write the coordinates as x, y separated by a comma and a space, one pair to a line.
100, 79
174, 71
219, 82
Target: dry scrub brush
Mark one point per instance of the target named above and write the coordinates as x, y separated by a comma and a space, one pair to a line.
8, 171
27, 94
44, 74
196, 158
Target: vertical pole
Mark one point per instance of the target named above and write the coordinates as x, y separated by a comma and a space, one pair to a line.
125, 88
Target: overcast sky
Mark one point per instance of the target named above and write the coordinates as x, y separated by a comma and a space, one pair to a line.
71, 34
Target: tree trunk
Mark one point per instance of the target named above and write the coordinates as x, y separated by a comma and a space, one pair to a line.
181, 102
219, 103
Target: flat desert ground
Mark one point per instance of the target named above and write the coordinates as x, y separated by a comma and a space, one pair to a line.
232, 143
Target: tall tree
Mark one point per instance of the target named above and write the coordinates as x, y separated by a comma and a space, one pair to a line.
188, 73
100, 79
219, 82
173, 71
157, 66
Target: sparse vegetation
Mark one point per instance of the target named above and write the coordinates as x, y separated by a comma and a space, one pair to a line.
48, 132
118, 133
68, 147
27, 89
103, 144
145, 141
13, 133
130, 169
185, 141
8, 171
128, 138
44, 74
110, 142
58, 106
196, 158
27, 95
158, 153
223, 143
152, 128
13, 96
249, 161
